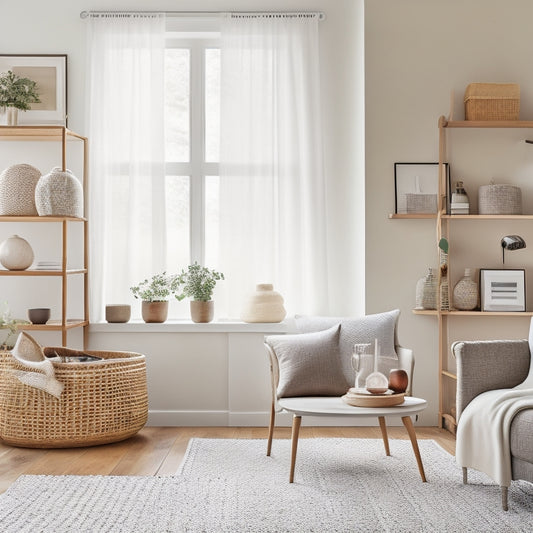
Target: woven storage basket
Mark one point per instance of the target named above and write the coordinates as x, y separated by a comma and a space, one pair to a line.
492, 101
102, 401
499, 200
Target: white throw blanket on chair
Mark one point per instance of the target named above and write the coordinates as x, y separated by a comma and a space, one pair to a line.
483, 433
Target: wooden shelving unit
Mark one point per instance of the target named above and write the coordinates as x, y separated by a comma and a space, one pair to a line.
62, 135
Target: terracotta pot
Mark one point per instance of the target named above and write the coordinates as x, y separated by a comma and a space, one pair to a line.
156, 312
398, 380
202, 312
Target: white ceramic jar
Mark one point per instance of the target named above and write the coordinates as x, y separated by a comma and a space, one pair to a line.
59, 193
16, 253
264, 305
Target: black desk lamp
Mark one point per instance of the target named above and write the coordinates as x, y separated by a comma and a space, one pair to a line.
512, 242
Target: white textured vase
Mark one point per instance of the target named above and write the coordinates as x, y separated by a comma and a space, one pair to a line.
16, 253
17, 190
264, 305
59, 193
12, 116
465, 293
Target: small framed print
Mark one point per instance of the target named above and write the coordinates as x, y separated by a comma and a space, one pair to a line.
416, 187
502, 290
49, 71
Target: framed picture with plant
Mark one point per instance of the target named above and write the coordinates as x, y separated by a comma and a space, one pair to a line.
48, 72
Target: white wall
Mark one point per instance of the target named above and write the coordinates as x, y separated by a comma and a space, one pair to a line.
36, 27
416, 53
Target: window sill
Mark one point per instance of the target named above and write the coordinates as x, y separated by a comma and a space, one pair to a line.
187, 326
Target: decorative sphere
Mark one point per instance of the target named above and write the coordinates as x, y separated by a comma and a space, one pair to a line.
398, 380
16, 253
377, 383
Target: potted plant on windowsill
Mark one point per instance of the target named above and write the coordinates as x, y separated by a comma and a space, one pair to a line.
16, 93
198, 283
155, 293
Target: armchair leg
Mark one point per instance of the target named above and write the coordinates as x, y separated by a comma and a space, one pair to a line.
383, 427
296, 422
271, 428
465, 475
504, 498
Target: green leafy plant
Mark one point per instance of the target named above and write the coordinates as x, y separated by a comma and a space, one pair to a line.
9, 337
157, 289
17, 92
198, 282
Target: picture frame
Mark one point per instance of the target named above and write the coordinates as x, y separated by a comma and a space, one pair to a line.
50, 73
502, 290
416, 187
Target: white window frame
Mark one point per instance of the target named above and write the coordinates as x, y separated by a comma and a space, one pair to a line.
197, 168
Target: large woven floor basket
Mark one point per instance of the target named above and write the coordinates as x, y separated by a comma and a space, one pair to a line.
102, 401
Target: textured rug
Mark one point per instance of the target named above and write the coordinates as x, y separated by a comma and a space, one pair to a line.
341, 485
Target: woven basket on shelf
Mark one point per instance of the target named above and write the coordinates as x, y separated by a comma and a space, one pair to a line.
496, 199
492, 101
102, 401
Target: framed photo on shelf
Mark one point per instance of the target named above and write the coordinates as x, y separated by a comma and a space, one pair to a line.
502, 290
49, 71
416, 187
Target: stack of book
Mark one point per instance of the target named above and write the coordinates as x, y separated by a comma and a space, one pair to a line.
48, 265
460, 208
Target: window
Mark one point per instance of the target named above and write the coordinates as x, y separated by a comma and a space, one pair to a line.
192, 110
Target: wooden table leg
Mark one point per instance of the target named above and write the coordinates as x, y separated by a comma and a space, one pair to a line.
408, 423
383, 427
271, 428
296, 421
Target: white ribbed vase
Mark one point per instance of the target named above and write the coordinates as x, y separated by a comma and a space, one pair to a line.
16, 253
264, 305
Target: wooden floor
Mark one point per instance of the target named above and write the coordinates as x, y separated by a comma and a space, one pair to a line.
159, 450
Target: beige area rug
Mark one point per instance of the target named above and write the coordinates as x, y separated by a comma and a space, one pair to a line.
341, 485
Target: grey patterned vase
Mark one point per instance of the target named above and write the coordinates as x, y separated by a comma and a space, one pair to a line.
465, 293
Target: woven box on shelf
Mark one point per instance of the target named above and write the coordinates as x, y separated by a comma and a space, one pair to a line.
496, 199
492, 101
102, 401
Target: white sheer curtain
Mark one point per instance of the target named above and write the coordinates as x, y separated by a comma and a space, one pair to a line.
126, 140
272, 190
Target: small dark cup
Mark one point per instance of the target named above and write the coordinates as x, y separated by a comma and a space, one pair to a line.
39, 315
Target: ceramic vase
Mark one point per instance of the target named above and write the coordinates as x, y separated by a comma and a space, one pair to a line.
12, 116
16, 253
202, 312
59, 193
17, 190
465, 292
154, 312
429, 293
264, 305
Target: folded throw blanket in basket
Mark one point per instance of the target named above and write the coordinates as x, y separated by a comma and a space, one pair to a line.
40, 374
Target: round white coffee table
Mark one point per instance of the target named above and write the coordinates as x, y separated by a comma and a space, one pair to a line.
335, 406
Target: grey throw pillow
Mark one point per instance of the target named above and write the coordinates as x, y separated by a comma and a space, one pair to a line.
365, 329
309, 364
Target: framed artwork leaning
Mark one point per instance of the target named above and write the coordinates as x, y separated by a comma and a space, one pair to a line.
49, 71
502, 290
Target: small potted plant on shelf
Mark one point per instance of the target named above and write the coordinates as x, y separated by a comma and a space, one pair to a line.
198, 283
155, 293
16, 93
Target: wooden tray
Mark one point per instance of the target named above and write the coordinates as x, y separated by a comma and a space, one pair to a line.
365, 399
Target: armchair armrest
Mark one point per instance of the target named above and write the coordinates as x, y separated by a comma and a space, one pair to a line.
488, 365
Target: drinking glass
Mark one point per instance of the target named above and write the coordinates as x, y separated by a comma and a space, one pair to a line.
357, 362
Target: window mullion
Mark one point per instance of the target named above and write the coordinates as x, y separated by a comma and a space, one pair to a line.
197, 154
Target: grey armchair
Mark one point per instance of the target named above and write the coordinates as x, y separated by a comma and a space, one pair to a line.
490, 365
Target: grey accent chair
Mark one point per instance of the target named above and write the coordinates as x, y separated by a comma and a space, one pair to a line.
490, 365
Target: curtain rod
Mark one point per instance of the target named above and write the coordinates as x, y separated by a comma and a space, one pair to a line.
85, 14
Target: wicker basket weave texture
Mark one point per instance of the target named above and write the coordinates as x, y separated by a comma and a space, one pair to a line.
492, 101
102, 402
499, 200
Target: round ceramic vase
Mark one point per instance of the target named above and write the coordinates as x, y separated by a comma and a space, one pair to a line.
264, 305
465, 293
59, 193
17, 190
16, 253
